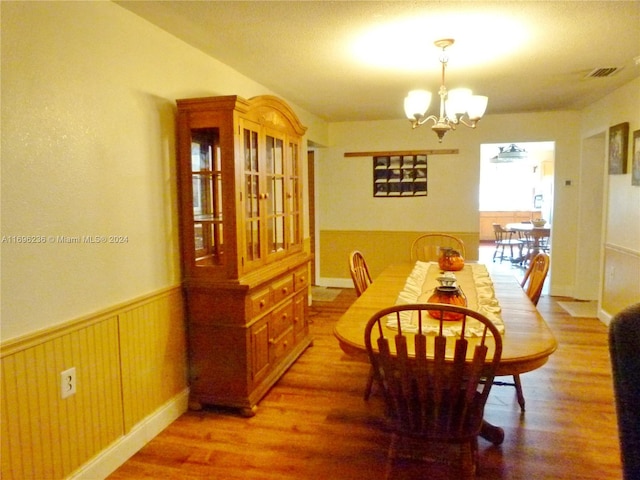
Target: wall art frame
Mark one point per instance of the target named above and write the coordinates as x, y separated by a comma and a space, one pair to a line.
618, 148
635, 161
400, 175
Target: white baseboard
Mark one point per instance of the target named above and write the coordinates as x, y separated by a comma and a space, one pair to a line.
335, 282
107, 461
604, 317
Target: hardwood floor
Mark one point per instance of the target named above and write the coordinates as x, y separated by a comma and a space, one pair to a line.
314, 423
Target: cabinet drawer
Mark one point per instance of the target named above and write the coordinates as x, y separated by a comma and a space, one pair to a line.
279, 347
281, 320
260, 302
282, 288
301, 278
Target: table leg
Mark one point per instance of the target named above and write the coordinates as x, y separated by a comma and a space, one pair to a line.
536, 247
492, 433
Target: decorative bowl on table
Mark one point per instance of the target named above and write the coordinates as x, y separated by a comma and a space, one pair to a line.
450, 260
539, 222
451, 295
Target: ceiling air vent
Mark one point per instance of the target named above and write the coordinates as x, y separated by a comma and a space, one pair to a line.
603, 72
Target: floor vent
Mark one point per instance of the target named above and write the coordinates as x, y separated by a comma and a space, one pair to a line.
603, 72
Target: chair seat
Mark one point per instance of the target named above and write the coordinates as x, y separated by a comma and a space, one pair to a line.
509, 243
438, 428
512, 241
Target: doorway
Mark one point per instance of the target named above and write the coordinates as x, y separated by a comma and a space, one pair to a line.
519, 181
516, 184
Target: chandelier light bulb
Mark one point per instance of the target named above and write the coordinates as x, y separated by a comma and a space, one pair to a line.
416, 104
477, 106
457, 101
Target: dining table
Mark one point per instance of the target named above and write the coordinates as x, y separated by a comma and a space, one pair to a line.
535, 237
527, 340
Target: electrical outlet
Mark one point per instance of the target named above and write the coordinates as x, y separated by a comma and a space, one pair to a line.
68, 382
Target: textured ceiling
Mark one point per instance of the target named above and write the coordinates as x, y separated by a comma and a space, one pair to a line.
526, 56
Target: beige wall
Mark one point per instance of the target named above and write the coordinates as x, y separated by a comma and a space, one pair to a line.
623, 199
620, 269
380, 248
88, 95
345, 184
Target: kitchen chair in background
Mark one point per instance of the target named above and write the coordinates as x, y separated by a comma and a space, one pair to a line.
361, 280
544, 244
532, 284
503, 239
426, 248
435, 403
624, 349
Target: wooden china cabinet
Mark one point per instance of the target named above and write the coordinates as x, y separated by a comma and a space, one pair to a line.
245, 272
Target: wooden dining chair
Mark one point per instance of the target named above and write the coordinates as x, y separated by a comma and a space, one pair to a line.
359, 272
435, 386
504, 239
361, 280
532, 284
426, 248
535, 276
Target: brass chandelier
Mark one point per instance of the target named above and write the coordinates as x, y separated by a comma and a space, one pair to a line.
454, 104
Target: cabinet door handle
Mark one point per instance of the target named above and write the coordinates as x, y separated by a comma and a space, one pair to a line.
271, 341
285, 290
262, 303
284, 316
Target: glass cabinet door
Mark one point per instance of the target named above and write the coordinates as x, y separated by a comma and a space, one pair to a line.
206, 175
276, 201
253, 194
294, 206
